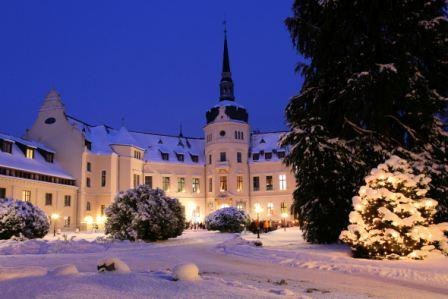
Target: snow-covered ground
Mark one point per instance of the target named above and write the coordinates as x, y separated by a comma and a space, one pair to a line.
229, 265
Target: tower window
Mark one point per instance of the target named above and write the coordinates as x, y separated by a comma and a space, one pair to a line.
222, 133
239, 157
88, 182
103, 178
89, 167
222, 157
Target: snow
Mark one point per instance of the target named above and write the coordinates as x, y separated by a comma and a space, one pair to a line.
63, 270
186, 272
113, 264
230, 267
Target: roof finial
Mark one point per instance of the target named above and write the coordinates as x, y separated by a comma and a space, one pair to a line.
225, 27
181, 134
122, 122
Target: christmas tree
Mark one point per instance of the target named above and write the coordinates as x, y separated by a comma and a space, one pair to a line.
392, 216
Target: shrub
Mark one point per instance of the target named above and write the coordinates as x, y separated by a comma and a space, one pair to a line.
392, 216
230, 220
144, 214
21, 218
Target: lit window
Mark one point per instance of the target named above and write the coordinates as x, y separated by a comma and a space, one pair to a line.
67, 201
269, 184
136, 180
137, 155
195, 185
103, 178
180, 184
241, 205
166, 183
102, 208
48, 199
148, 181
26, 195
67, 221
223, 183
256, 183
29, 153
239, 183
270, 208
282, 181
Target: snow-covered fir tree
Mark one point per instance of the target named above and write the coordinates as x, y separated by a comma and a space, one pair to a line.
229, 220
145, 214
22, 219
375, 76
393, 217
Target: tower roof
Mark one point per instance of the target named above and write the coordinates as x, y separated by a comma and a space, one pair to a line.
226, 84
225, 58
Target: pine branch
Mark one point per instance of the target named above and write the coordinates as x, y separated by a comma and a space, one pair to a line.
407, 128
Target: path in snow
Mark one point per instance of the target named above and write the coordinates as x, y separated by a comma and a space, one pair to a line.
229, 268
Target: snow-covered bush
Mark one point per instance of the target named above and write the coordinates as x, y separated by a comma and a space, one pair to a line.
144, 214
112, 264
21, 218
230, 220
392, 216
186, 272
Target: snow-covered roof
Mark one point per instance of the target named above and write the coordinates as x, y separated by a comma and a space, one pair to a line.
17, 160
262, 143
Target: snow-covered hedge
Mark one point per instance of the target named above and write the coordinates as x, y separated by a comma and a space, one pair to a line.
21, 218
230, 219
392, 216
144, 214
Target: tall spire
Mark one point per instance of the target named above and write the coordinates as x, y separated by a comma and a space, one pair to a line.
226, 84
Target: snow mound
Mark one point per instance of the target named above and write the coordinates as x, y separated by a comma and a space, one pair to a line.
21, 272
63, 270
113, 264
282, 292
186, 272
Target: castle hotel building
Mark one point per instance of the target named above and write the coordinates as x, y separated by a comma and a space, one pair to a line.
74, 170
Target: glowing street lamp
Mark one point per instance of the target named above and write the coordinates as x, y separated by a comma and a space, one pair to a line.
54, 218
258, 211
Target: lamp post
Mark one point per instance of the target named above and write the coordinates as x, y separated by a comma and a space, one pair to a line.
284, 214
54, 218
258, 210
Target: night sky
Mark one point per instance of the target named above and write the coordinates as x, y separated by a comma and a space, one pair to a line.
154, 63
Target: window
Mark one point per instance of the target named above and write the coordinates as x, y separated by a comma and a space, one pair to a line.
148, 181
88, 145
67, 200
268, 156
281, 154
165, 183
194, 158
195, 185
165, 156
26, 195
236, 134
269, 184
137, 155
222, 157
239, 135
89, 167
7, 147
239, 157
222, 183
209, 137
29, 153
88, 182
242, 136
255, 157
88, 206
241, 205
222, 133
239, 183
67, 221
210, 185
180, 157
49, 157
209, 159
270, 208
256, 183
103, 178
48, 199
180, 184
102, 208
2, 192
282, 182
136, 180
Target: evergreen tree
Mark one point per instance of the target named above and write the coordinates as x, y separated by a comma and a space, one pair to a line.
375, 79
392, 217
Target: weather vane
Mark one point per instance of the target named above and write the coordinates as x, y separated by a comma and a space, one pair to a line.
225, 26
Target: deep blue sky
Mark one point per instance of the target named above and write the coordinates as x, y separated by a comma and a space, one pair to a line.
154, 63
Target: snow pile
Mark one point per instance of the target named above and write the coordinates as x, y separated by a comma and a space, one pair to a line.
21, 218
392, 217
113, 264
186, 272
230, 219
64, 270
21, 272
144, 214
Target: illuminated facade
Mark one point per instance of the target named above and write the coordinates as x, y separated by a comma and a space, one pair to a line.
230, 166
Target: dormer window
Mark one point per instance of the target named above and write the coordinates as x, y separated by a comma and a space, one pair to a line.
180, 157
165, 156
256, 157
88, 144
29, 153
268, 156
194, 158
49, 157
6, 147
281, 154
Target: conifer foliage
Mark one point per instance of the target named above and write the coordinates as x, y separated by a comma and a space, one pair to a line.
375, 76
145, 214
392, 216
